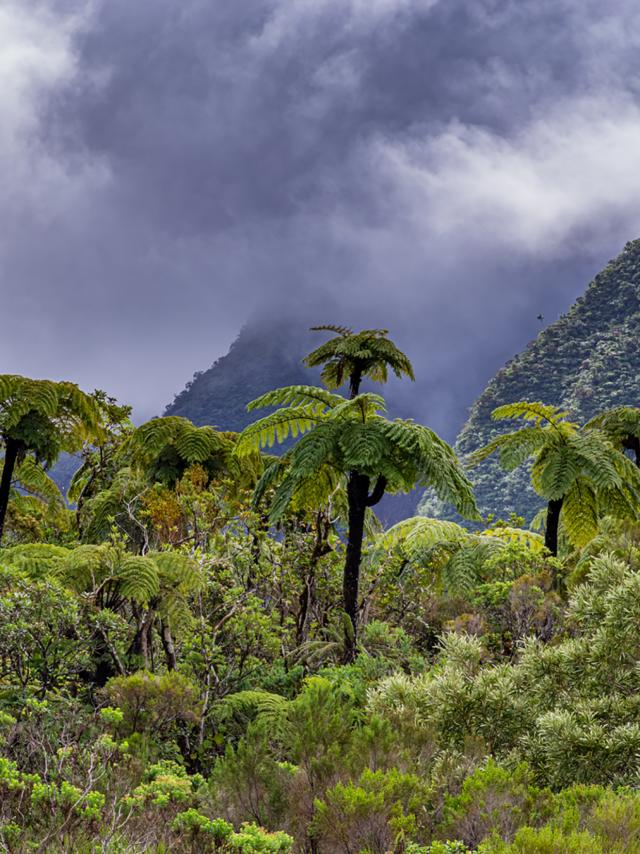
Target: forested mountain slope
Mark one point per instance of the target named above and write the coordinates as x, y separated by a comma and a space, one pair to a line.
261, 358
586, 361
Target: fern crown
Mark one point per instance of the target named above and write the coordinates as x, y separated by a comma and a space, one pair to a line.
579, 466
337, 436
368, 353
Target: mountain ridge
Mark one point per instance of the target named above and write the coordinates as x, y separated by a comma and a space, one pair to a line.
586, 361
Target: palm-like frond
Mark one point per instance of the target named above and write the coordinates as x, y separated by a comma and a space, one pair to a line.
89, 569
179, 576
419, 536
520, 536
278, 427
36, 560
580, 512
352, 436
530, 411
368, 353
33, 479
582, 467
457, 556
74, 414
619, 422
297, 395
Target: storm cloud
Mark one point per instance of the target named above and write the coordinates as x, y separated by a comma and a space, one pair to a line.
172, 168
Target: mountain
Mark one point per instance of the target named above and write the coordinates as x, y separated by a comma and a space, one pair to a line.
586, 361
263, 357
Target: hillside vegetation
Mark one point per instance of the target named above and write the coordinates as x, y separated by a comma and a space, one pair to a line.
587, 361
221, 649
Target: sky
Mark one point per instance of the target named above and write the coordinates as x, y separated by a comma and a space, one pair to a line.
171, 169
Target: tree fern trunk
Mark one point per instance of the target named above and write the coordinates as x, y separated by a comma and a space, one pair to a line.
141, 644
168, 646
355, 379
553, 521
11, 451
357, 494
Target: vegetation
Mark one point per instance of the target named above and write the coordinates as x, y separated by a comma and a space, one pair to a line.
586, 362
221, 650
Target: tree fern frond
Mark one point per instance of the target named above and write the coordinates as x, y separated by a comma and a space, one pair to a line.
361, 407
579, 513
530, 411
419, 536
271, 708
520, 536
462, 572
35, 480
317, 399
36, 560
277, 427
330, 327
138, 578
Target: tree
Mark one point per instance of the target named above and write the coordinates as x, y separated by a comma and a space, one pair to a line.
622, 426
350, 439
354, 355
456, 556
99, 463
152, 590
38, 420
165, 447
578, 471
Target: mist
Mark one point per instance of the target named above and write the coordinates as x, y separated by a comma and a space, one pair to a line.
172, 170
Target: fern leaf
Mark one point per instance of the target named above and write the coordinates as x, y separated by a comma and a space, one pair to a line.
315, 398
277, 427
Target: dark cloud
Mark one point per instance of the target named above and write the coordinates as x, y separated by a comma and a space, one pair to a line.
447, 168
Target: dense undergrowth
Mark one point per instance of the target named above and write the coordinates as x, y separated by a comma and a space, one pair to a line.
180, 670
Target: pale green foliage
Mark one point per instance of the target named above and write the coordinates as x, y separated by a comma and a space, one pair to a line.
270, 708
59, 409
34, 480
570, 709
38, 420
456, 556
115, 504
350, 435
108, 574
164, 448
193, 444
35, 560
109, 570
580, 466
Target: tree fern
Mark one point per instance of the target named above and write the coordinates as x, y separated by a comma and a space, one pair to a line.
278, 427
38, 420
352, 440
457, 556
164, 448
108, 574
33, 479
579, 471
297, 395
354, 355
36, 560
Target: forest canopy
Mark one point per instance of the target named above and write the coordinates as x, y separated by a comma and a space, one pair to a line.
211, 643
